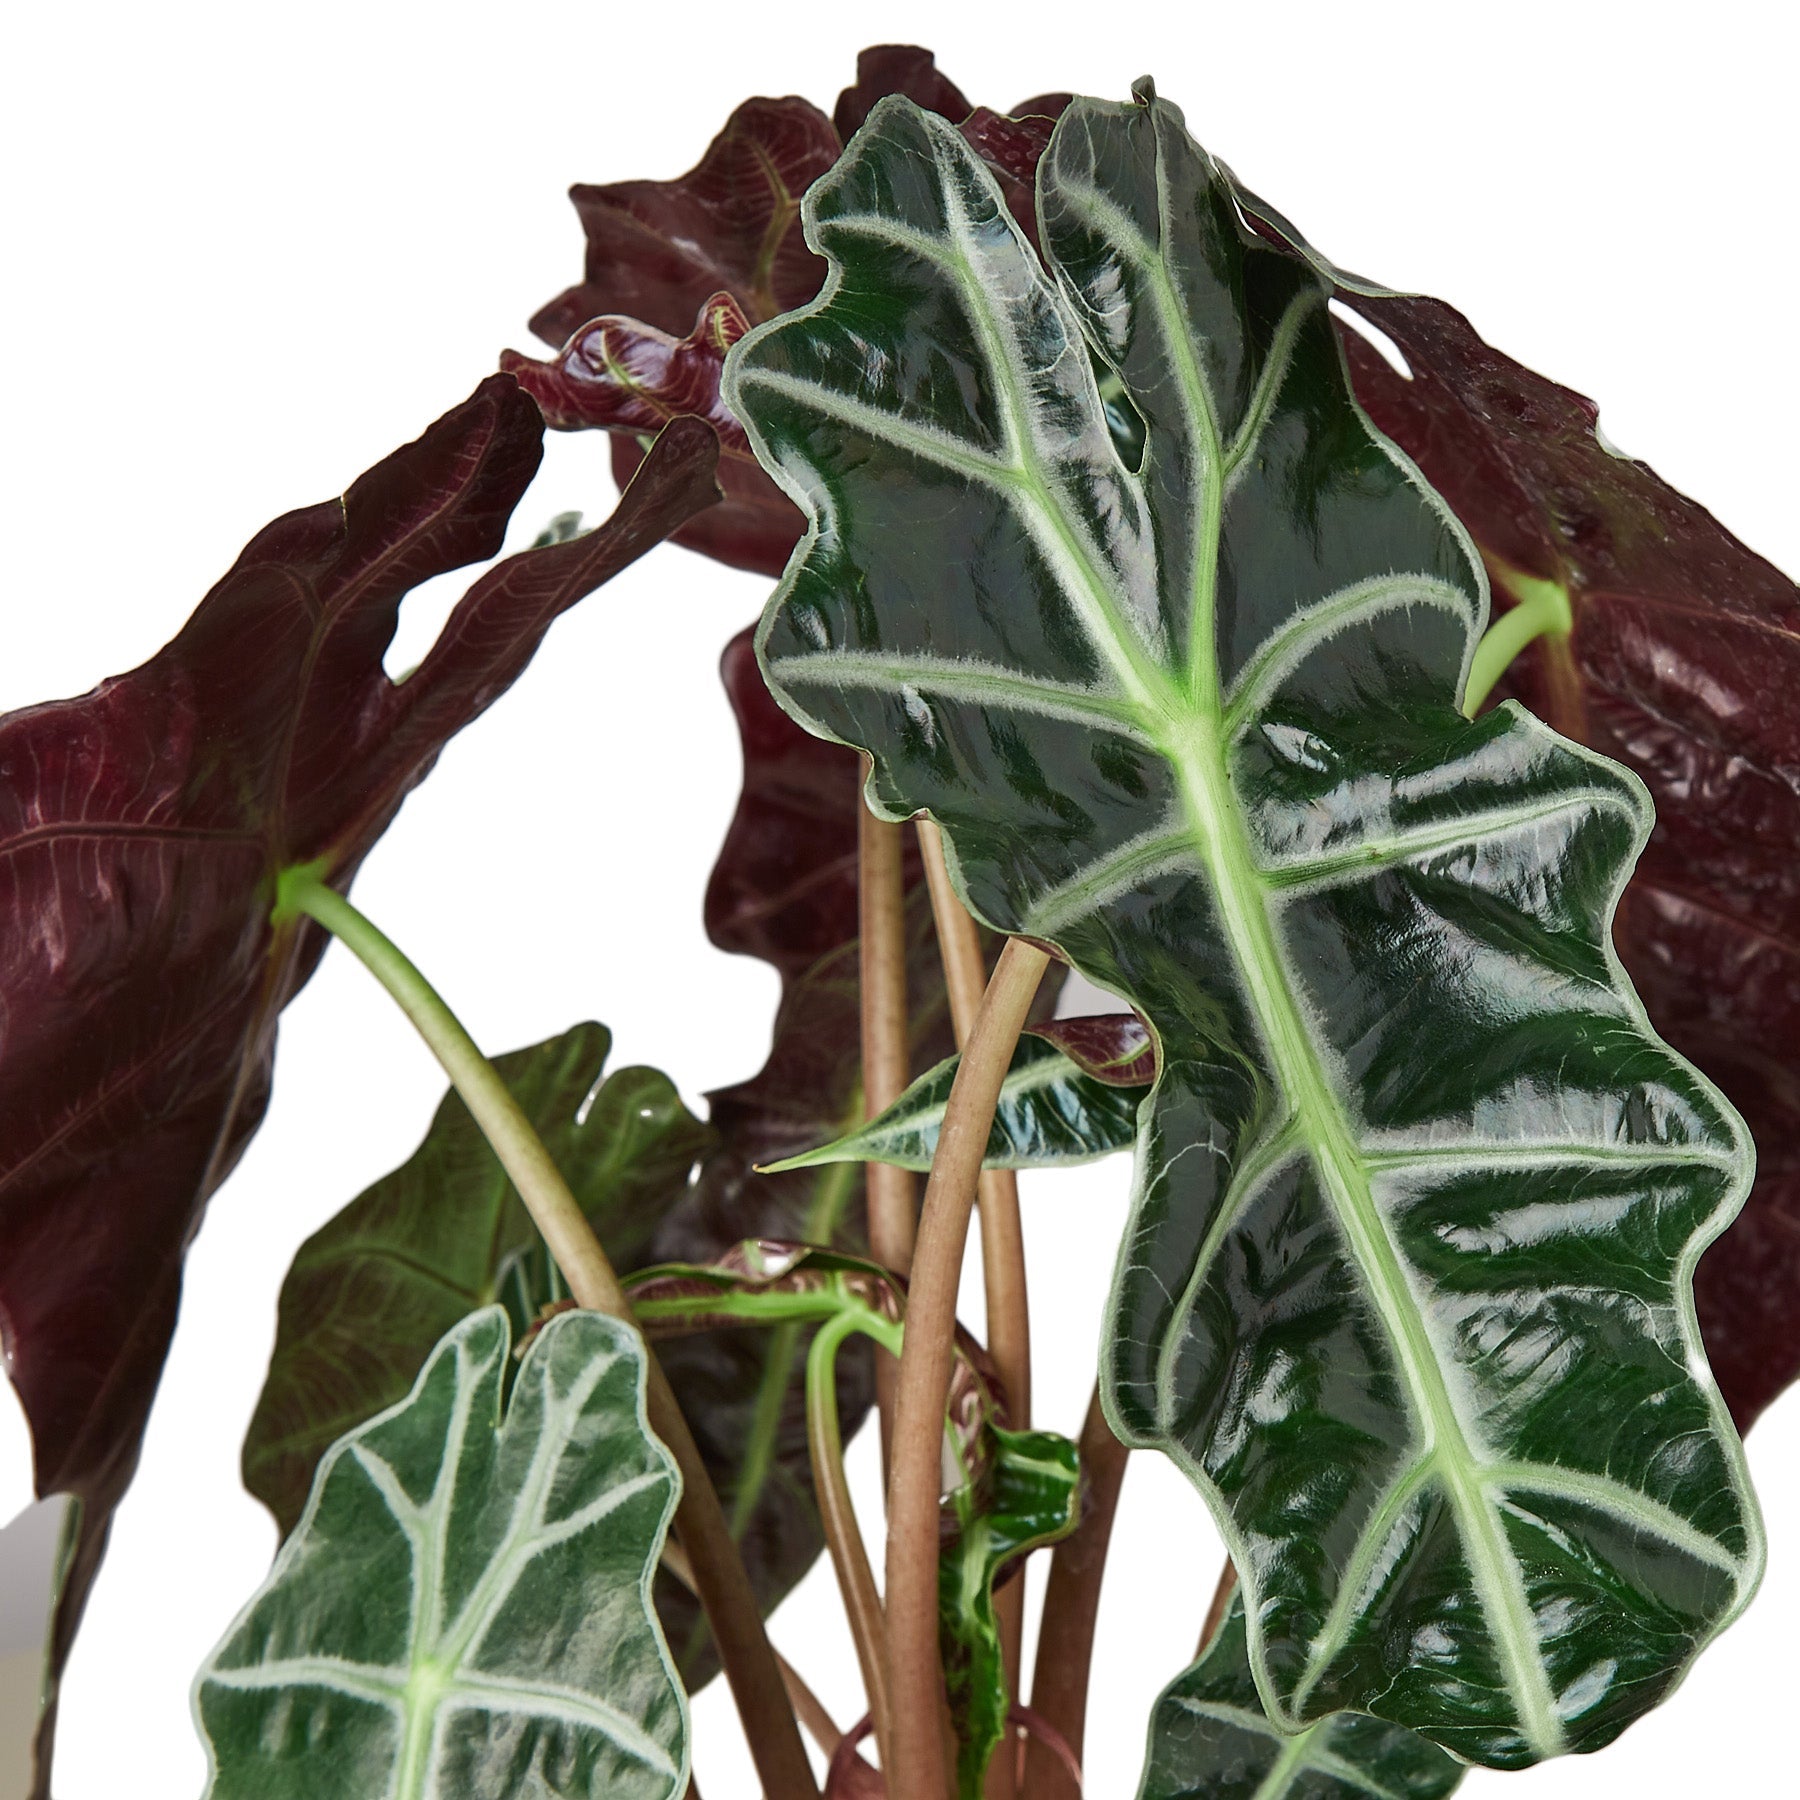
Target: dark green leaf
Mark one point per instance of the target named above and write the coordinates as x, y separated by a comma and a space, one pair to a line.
1211, 1740
1028, 1495
464, 1608
1050, 1115
371, 1292
1407, 1287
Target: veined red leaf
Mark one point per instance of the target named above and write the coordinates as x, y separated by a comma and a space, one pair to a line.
663, 255
143, 826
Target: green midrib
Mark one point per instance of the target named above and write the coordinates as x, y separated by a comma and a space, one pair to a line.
1224, 849
1187, 726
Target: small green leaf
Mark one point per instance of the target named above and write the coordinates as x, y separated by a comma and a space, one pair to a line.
1050, 1115
464, 1607
1211, 1740
374, 1289
1027, 1495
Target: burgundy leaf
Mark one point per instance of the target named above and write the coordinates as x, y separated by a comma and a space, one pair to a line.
617, 375
1684, 662
1114, 1048
907, 69
784, 886
143, 826
659, 251
1012, 149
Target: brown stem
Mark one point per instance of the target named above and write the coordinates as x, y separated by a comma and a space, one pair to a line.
1215, 1613
1059, 1686
719, 1575
915, 1670
1002, 1238
892, 1193
837, 1517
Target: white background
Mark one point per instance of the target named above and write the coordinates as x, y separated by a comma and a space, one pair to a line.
254, 248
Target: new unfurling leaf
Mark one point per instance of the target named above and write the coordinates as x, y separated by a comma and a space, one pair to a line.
1407, 1287
1009, 1492
1025, 1495
464, 1607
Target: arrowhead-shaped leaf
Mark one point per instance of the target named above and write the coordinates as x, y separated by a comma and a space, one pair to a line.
1211, 1740
1407, 1287
465, 1605
372, 1291
143, 826
1050, 1115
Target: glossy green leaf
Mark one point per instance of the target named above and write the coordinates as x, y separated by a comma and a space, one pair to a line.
1050, 1115
1407, 1286
374, 1289
1211, 1740
1028, 1495
464, 1607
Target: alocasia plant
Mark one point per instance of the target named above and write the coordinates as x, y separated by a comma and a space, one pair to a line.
1196, 722
1105, 560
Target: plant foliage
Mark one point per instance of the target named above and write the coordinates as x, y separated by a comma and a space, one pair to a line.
372, 1291
143, 826
1418, 1321
464, 1607
1211, 1740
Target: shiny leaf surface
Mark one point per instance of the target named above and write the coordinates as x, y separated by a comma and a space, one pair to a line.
1406, 1289
143, 825
1050, 1115
370, 1294
1682, 661
1211, 1740
1028, 1495
465, 1606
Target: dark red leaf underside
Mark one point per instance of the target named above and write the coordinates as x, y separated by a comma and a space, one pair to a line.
1114, 1048
1684, 663
907, 69
141, 829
